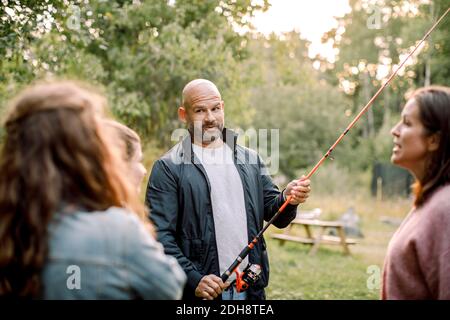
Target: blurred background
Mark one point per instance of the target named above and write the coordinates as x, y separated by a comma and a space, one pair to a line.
303, 67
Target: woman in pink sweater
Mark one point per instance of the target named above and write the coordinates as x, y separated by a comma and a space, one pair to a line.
417, 264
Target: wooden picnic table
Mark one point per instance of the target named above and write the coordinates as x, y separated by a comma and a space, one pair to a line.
320, 238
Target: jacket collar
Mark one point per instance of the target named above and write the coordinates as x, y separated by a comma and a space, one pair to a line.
228, 136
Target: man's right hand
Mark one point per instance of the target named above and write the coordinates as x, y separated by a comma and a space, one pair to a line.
210, 287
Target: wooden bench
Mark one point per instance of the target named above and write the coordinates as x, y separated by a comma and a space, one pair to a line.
316, 240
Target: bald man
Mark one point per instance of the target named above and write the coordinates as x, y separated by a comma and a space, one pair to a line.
209, 197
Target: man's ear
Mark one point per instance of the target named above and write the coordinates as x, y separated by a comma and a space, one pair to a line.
434, 141
182, 114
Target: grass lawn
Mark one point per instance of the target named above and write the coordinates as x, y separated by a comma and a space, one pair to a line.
294, 274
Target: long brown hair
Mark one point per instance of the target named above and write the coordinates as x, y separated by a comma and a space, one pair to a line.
434, 114
55, 153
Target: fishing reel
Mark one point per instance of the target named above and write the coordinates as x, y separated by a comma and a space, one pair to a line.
247, 278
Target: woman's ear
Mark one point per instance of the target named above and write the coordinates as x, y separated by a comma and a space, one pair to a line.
434, 141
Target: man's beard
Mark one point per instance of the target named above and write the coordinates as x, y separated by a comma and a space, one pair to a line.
206, 134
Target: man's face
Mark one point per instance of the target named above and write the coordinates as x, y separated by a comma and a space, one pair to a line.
204, 114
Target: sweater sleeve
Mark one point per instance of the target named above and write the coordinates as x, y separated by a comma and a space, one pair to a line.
433, 244
444, 276
441, 222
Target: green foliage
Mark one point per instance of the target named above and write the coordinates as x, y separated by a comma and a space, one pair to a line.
335, 179
142, 53
309, 112
365, 51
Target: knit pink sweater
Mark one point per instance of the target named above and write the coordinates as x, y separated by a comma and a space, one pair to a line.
417, 264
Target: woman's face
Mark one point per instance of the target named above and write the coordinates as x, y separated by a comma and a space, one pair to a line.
411, 145
137, 169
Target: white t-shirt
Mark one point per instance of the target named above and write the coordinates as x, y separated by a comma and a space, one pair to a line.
228, 204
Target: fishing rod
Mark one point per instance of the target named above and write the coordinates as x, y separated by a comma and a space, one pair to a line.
252, 272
